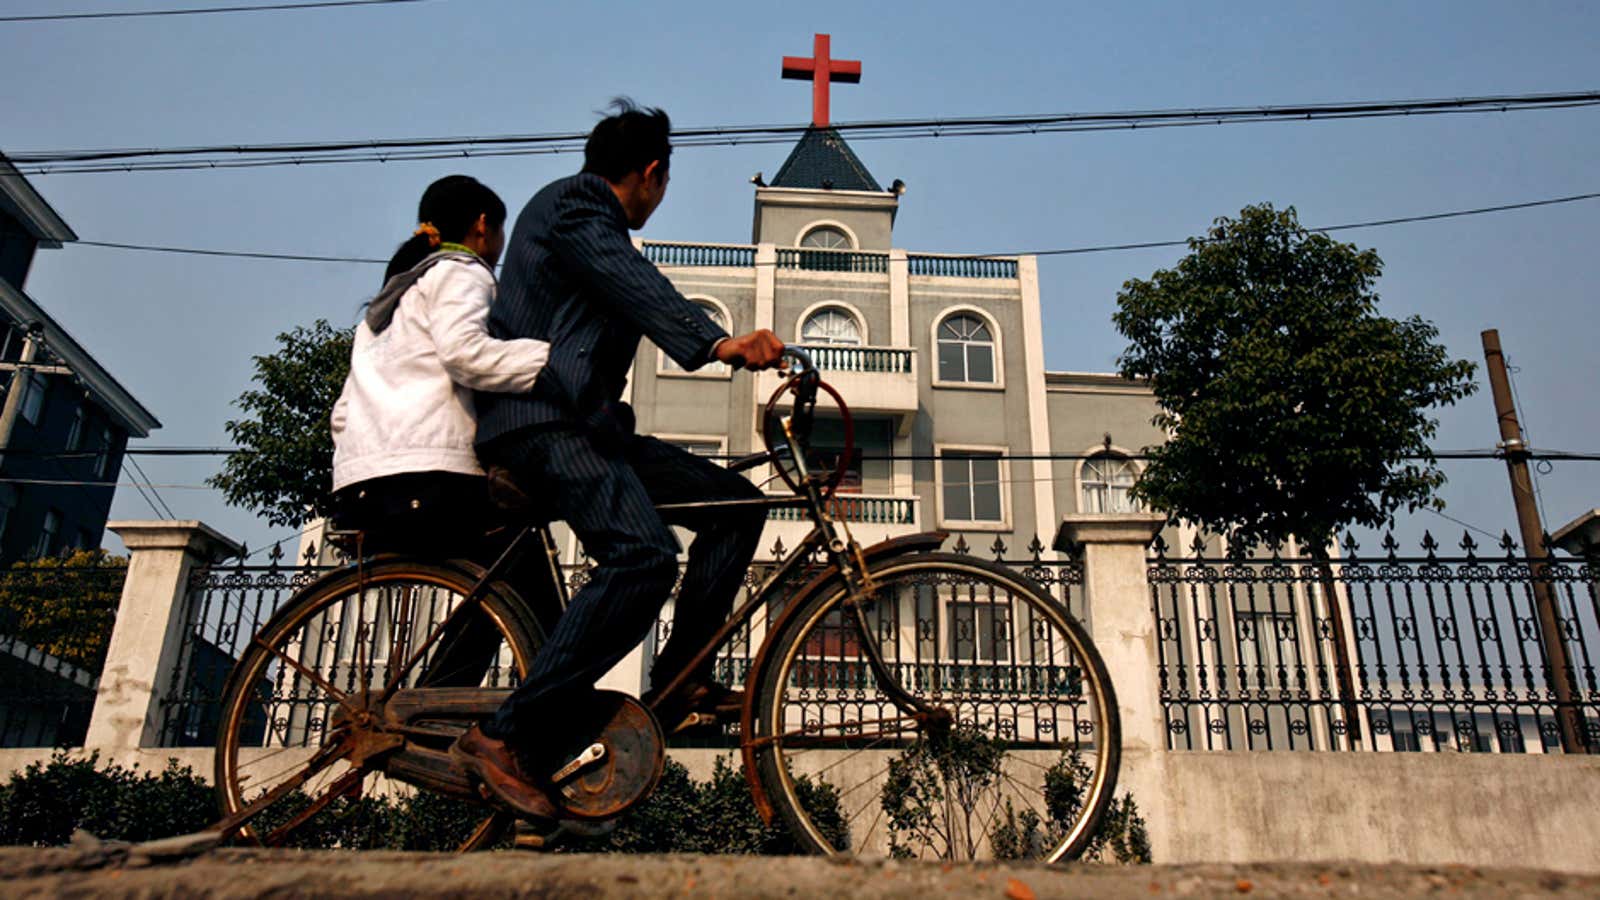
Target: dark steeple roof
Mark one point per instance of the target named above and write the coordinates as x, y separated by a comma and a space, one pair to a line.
823, 161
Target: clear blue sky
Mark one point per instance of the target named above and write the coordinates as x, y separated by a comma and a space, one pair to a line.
179, 331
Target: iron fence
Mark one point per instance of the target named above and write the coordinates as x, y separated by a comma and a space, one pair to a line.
55, 624
1385, 652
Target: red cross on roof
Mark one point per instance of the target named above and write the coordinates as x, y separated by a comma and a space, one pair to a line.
820, 69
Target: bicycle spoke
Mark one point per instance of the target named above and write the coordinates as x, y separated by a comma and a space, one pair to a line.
338, 696
340, 786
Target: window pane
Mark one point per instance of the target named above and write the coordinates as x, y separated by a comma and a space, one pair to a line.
986, 490
980, 363
957, 489
951, 362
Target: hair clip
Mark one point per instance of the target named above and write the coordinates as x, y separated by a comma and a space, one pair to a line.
429, 229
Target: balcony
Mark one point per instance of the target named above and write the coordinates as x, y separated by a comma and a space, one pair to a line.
961, 266
870, 379
817, 260
871, 518
668, 254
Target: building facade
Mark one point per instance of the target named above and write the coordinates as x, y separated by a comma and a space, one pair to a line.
65, 421
939, 357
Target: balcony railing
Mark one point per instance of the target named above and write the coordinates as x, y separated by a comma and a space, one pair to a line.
832, 260
963, 266
860, 508
836, 358
726, 255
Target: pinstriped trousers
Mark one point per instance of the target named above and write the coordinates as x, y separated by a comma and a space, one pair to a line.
608, 498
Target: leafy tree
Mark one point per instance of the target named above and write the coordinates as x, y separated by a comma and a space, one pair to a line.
285, 436
64, 605
1293, 407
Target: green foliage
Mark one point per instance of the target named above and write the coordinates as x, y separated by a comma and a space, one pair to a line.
1294, 408
284, 472
44, 803
64, 605
932, 794
1121, 835
685, 816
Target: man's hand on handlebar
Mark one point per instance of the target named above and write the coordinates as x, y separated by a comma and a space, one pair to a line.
760, 349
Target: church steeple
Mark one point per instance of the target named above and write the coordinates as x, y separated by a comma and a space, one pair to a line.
823, 181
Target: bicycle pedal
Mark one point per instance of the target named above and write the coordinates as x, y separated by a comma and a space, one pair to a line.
696, 720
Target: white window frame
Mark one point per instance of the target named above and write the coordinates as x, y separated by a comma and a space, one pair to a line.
849, 233
666, 368
32, 406
1101, 450
1004, 523
999, 383
47, 534
849, 309
80, 417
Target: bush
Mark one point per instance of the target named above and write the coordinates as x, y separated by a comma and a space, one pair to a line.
718, 816
44, 803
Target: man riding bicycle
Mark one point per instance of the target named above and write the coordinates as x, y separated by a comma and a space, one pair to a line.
573, 277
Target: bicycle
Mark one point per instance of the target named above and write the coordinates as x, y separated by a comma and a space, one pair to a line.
856, 731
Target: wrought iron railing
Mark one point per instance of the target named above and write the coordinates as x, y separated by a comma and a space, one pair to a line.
55, 625
962, 266
837, 358
832, 260
1438, 654
706, 255
226, 605
870, 509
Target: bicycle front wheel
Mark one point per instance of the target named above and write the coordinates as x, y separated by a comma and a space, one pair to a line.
302, 705
1013, 756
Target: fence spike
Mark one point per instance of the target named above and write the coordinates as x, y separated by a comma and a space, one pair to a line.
1198, 545
998, 548
1036, 547
1507, 544
1468, 545
1390, 545
1159, 546
1350, 545
275, 554
778, 549
961, 546
1429, 544
1547, 544
310, 556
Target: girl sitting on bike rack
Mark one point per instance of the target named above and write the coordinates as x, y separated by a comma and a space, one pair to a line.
405, 475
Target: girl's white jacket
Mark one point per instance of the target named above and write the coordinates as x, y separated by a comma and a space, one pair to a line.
407, 403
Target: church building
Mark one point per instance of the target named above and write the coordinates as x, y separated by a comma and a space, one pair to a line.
939, 356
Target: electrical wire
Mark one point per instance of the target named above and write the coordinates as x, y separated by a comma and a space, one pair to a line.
1102, 248
137, 468
199, 11
227, 156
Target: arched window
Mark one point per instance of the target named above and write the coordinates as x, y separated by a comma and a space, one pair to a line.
966, 350
831, 326
1107, 479
826, 237
718, 316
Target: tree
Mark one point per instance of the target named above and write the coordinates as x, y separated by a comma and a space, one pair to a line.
1293, 408
64, 605
283, 470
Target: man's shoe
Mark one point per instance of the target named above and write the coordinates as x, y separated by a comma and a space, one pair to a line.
495, 765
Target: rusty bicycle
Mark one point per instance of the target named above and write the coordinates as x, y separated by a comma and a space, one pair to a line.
941, 705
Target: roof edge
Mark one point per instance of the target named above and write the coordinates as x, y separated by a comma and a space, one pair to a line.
107, 390
18, 196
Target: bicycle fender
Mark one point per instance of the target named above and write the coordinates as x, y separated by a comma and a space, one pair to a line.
925, 542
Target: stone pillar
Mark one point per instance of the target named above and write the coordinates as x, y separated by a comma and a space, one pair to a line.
143, 652
1122, 623
899, 299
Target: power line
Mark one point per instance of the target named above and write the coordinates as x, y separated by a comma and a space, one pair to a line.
159, 499
1069, 251
200, 11
229, 156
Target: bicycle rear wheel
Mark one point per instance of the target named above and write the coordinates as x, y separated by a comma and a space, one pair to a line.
1016, 757
300, 715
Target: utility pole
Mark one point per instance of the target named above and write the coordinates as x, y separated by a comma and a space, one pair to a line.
21, 383
1515, 449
